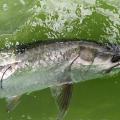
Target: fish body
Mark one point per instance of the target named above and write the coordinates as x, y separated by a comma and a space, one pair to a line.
27, 69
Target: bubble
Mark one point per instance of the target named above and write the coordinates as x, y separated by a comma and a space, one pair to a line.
28, 117
5, 7
22, 2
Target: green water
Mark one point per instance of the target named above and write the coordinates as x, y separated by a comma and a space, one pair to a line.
23, 21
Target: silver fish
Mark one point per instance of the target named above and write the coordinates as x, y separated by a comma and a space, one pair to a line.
56, 65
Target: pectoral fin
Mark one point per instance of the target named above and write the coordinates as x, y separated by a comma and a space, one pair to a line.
12, 102
63, 92
62, 95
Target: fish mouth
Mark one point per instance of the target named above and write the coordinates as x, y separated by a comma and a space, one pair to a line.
90, 72
114, 67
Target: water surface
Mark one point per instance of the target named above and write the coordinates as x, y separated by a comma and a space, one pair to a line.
24, 21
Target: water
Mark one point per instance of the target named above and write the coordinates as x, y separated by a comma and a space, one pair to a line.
23, 21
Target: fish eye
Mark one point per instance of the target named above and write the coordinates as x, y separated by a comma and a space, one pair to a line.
115, 58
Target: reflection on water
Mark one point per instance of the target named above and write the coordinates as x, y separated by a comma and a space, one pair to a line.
24, 21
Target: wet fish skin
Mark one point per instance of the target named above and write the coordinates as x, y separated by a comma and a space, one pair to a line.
52, 59
55, 64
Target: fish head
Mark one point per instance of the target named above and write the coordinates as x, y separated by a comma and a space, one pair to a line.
95, 61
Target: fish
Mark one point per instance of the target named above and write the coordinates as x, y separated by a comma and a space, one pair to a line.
54, 65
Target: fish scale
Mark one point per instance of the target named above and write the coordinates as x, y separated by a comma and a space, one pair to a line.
57, 65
